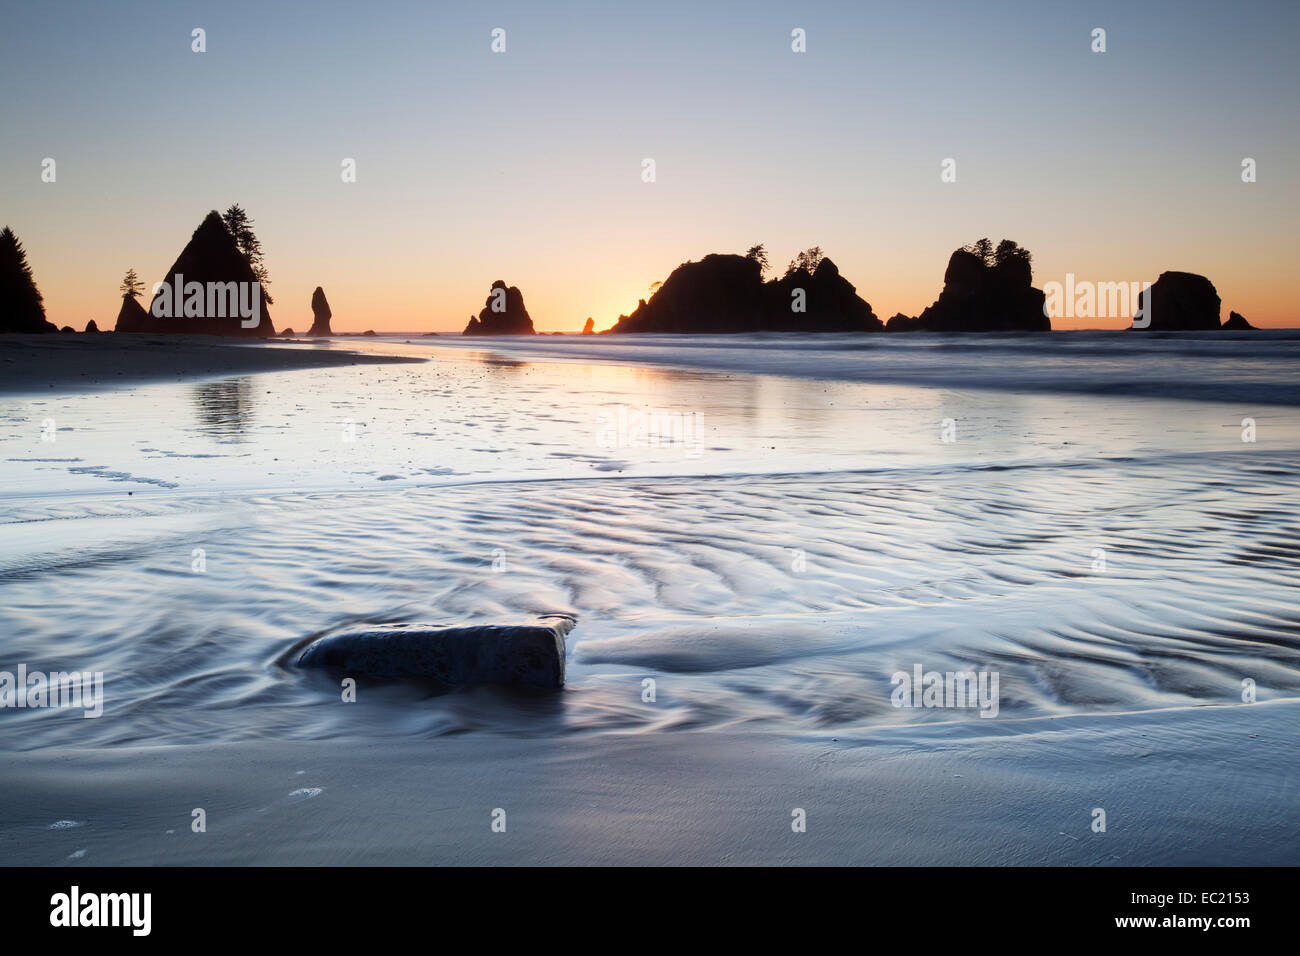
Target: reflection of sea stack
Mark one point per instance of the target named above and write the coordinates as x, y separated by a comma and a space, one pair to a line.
503, 313
983, 291
1180, 301
21, 307
210, 261
320, 310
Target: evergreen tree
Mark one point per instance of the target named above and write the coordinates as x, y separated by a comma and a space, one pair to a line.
131, 286
808, 260
22, 307
240, 226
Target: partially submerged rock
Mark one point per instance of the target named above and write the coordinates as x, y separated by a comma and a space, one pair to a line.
483, 654
1237, 323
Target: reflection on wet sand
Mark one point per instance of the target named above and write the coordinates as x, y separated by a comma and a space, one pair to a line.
224, 408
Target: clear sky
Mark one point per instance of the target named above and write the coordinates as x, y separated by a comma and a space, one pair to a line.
526, 165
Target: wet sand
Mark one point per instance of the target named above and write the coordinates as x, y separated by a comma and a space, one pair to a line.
30, 364
1204, 786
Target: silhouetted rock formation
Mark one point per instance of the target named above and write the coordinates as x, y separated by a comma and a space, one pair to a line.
131, 317
320, 310
288, 333
211, 257
590, 327
1237, 323
67, 328
503, 314
726, 293
91, 326
831, 303
22, 309
1179, 301
983, 291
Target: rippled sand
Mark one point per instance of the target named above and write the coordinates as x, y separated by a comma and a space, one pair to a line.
1110, 558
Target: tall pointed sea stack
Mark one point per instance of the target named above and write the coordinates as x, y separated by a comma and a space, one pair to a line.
22, 309
503, 313
216, 294
320, 310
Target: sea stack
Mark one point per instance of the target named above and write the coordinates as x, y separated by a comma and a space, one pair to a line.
320, 310
131, 317
1179, 302
503, 313
589, 328
984, 290
726, 294
1237, 323
22, 309
218, 290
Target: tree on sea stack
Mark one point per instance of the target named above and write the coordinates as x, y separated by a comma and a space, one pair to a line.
131, 286
211, 289
22, 307
808, 261
240, 226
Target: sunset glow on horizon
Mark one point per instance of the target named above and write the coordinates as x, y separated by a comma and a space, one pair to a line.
526, 165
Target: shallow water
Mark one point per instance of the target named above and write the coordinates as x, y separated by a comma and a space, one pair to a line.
769, 550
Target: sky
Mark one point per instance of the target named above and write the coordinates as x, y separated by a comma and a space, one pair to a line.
527, 165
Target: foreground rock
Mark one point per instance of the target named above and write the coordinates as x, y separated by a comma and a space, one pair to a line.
727, 294
321, 314
22, 308
1179, 302
1237, 323
983, 291
487, 654
503, 313
211, 259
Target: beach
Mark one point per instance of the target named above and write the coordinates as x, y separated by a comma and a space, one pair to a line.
101, 361
1103, 531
